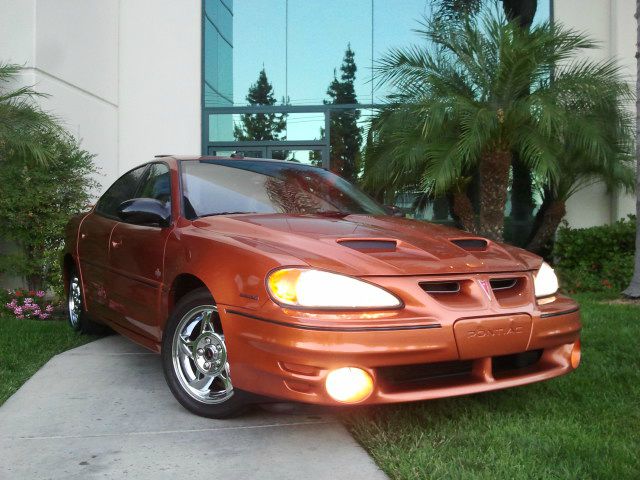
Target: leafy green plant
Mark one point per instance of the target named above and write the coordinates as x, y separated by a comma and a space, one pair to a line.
596, 258
36, 202
477, 93
21, 120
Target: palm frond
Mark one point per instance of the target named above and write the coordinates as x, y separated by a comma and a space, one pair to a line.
22, 120
483, 83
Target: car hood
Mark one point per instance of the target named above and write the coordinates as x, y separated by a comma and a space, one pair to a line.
373, 245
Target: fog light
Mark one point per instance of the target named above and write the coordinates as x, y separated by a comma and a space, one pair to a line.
349, 384
575, 355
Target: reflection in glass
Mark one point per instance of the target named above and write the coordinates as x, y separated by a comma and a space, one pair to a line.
301, 44
218, 187
217, 24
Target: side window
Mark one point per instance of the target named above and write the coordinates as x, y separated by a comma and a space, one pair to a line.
157, 184
123, 189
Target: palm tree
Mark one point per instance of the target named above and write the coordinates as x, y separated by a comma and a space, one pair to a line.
613, 166
476, 93
21, 120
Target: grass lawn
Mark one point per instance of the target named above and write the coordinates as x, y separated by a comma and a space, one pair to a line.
26, 345
584, 425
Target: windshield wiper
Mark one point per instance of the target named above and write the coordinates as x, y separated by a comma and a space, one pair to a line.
222, 213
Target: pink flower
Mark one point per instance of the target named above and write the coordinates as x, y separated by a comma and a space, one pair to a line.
37, 311
43, 316
39, 294
17, 311
28, 301
49, 308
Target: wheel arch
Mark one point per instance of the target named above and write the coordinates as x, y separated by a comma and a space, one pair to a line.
183, 284
68, 264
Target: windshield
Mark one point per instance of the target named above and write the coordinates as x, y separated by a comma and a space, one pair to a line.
219, 187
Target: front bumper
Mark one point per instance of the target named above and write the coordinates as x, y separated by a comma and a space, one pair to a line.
287, 355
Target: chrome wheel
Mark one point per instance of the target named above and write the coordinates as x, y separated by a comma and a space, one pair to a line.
75, 301
199, 356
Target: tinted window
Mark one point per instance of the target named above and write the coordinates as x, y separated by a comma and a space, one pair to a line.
123, 189
157, 184
214, 187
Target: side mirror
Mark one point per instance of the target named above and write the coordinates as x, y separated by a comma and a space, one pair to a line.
394, 211
145, 211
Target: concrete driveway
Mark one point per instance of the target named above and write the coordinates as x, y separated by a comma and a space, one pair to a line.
103, 410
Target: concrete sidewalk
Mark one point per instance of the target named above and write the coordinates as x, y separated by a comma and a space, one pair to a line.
103, 410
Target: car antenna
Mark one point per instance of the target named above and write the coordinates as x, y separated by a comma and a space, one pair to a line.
162, 155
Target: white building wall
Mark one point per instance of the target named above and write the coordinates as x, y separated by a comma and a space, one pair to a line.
159, 79
123, 75
76, 63
612, 24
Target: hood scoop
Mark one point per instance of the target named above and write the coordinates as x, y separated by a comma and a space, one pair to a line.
471, 244
369, 245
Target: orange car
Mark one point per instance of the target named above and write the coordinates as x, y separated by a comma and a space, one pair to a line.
262, 278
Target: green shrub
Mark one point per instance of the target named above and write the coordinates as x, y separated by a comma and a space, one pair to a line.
36, 202
597, 258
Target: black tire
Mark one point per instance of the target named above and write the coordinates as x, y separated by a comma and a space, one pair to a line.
78, 318
231, 403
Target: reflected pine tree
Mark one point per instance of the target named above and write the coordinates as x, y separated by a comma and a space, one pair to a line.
262, 126
345, 134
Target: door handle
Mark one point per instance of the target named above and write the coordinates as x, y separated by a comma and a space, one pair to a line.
116, 243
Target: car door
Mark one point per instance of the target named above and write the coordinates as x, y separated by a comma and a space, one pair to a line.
94, 242
136, 261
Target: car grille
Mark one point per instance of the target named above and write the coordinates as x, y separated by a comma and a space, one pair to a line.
415, 377
509, 291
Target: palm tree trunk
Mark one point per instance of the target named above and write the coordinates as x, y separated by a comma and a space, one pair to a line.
633, 290
494, 182
551, 218
462, 209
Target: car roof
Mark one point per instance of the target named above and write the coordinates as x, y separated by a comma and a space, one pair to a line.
192, 158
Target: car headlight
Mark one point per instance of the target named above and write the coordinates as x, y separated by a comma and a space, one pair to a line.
545, 281
300, 287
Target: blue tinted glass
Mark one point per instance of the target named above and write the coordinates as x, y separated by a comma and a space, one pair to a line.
225, 70
301, 45
224, 22
218, 53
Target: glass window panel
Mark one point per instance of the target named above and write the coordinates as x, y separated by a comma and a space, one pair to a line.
261, 45
157, 185
225, 70
299, 126
305, 126
304, 156
319, 34
301, 45
229, 4
221, 128
122, 189
225, 22
211, 95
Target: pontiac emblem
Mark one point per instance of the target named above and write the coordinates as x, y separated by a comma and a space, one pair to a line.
486, 287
